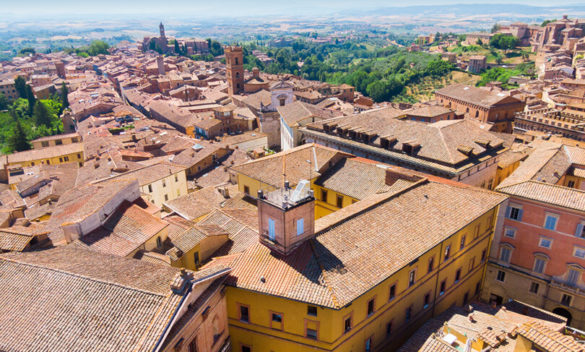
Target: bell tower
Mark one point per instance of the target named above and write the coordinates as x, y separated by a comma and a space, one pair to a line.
161, 27
234, 60
286, 217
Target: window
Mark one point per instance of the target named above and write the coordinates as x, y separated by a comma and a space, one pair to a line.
389, 329
580, 231
442, 289
392, 292
371, 307
312, 334
477, 287
431, 264
447, 252
347, 324
277, 318
324, 195
66, 158
408, 314
312, 310
427, 300
501, 276
545, 242
483, 253
514, 213
534, 287
505, 253
411, 278
579, 252
45, 144
539, 264
510, 232
247, 190
369, 344
164, 183
150, 188
300, 226
246, 349
457, 275
282, 101
550, 222
573, 277
166, 197
196, 258
472, 264
176, 178
244, 314
271, 230
566, 299
158, 242
462, 244
58, 142
571, 184
466, 298
339, 201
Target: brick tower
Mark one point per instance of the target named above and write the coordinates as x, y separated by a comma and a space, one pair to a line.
234, 60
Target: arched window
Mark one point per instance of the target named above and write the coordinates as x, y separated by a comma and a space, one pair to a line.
237, 61
237, 75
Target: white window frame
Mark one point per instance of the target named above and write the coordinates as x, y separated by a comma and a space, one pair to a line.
512, 229
544, 238
576, 249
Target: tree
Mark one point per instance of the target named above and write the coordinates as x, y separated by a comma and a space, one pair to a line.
177, 48
30, 96
42, 115
20, 86
3, 102
64, 99
26, 51
503, 41
495, 28
18, 140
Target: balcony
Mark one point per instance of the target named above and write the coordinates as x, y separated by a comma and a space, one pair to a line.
561, 282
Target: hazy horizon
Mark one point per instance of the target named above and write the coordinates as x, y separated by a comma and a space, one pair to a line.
227, 8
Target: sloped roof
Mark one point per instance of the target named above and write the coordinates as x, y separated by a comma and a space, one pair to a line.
298, 111
269, 169
59, 299
125, 231
327, 271
475, 95
548, 193
439, 142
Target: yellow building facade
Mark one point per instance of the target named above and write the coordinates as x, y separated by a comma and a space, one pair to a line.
263, 335
447, 273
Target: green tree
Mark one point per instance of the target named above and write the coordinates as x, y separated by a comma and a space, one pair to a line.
64, 96
42, 115
177, 48
3, 102
18, 140
26, 51
30, 96
20, 86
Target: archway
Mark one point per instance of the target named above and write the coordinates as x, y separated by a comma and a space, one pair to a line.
563, 313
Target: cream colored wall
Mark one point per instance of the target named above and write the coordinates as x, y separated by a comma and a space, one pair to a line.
174, 189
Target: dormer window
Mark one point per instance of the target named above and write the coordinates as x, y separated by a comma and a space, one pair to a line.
410, 148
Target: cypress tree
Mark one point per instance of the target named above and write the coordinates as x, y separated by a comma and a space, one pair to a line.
18, 140
41, 114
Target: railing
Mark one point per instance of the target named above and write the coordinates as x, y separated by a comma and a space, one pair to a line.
562, 282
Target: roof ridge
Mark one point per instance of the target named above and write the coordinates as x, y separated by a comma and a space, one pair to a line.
68, 273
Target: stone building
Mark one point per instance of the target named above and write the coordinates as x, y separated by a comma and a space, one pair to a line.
486, 106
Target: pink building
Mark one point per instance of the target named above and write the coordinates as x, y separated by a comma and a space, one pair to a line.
538, 253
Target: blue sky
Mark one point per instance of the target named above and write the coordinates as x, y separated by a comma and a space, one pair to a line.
226, 7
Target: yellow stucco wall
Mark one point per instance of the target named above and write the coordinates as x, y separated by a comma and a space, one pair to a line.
173, 186
261, 336
62, 159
